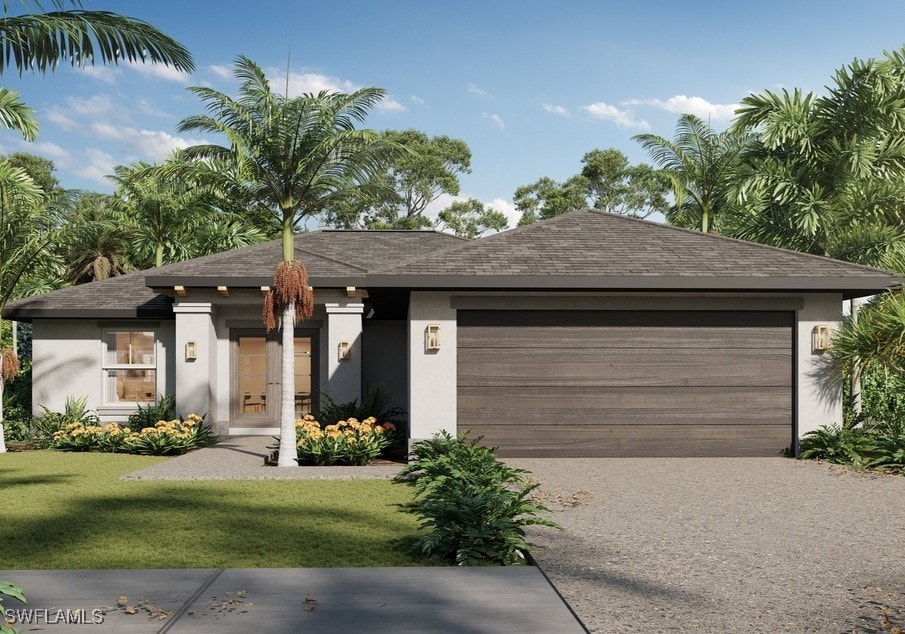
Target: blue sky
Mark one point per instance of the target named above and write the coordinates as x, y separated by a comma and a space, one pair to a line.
530, 86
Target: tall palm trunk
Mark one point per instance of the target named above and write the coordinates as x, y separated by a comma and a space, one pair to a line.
288, 449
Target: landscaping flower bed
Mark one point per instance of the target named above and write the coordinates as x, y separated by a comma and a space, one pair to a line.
165, 438
347, 442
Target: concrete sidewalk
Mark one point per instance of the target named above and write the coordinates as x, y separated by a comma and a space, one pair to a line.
450, 599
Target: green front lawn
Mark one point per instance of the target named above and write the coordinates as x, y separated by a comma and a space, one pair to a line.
70, 510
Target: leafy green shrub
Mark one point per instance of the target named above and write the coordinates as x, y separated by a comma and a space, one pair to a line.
474, 507
873, 438
16, 427
840, 444
147, 416
17, 419
347, 442
375, 403
75, 410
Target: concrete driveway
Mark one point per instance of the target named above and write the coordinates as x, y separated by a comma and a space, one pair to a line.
723, 545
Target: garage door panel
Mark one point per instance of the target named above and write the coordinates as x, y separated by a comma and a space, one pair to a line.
622, 367
556, 407
615, 441
629, 318
627, 383
484, 337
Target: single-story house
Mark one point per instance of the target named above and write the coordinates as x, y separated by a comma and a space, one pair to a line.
585, 335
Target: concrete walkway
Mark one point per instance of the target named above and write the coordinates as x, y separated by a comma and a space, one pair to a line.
492, 599
242, 458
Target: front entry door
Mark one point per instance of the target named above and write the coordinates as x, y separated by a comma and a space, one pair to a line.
255, 377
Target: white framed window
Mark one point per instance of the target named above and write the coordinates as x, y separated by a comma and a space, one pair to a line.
129, 366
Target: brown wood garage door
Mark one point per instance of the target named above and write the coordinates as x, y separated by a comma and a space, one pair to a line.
626, 383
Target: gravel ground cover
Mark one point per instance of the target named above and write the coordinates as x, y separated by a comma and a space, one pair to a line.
723, 545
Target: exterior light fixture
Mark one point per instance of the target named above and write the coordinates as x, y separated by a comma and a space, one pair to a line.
344, 351
432, 338
820, 338
191, 350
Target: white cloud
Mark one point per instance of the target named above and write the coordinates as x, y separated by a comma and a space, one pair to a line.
97, 167
697, 106
475, 90
50, 150
56, 116
96, 106
388, 104
495, 119
221, 71
624, 118
101, 73
153, 145
313, 83
149, 108
417, 100
160, 71
556, 109
302, 83
512, 214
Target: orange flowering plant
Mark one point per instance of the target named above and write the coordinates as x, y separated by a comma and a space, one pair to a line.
347, 442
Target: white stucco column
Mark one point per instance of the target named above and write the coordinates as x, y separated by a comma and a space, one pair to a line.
819, 391
343, 331
196, 378
432, 373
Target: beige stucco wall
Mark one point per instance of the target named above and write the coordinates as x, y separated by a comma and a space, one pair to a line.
819, 394
67, 357
432, 375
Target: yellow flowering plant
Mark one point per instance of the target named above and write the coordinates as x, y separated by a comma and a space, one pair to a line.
347, 442
164, 438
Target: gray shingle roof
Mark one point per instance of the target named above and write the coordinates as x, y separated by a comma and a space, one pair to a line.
328, 255
600, 247
117, 297
331, 257
581, 250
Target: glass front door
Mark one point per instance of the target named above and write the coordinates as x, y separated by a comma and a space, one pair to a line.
256, 377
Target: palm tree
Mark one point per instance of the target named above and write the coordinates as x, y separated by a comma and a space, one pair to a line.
699, 164
25, 231
826, 175
297, 155
37, 42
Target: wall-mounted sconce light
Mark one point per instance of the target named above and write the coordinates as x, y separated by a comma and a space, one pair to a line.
191, 350
432, 338
820, 338
344, 351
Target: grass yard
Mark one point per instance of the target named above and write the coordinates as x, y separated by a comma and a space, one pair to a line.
70, 510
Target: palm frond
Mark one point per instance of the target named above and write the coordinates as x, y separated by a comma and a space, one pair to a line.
38, 42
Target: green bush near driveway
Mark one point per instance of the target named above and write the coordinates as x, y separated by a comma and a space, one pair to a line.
473, 507
71, 511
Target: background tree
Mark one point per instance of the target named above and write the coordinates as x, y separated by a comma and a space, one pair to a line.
423, 169
615, 186
298, 155
700, 165
545, 198
607, 181
471, 218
